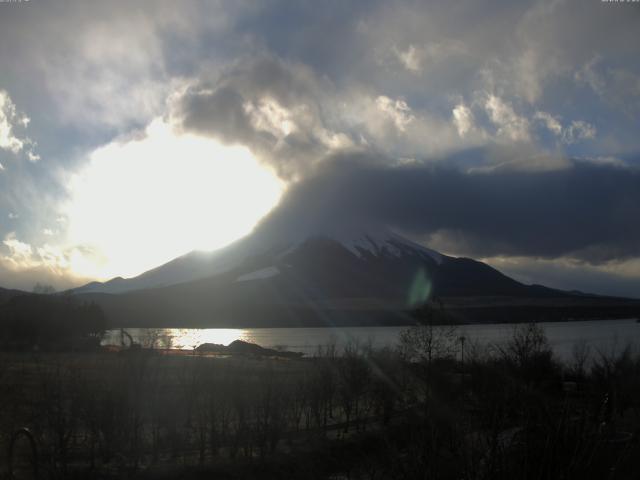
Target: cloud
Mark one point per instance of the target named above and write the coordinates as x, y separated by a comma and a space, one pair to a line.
583, 211
617, 86
282, 111
588, 75
552, 123
8, 118
576, 131
510, 126
392, 127
92, 65
292, 118
613, 278
397, 110
20, 253
22, 265
416, 59
410, 59
22, 256
463, 119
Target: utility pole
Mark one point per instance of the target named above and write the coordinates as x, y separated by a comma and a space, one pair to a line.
462, 340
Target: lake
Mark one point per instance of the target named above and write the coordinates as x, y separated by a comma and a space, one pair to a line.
601, 335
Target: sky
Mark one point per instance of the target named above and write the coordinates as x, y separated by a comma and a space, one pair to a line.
135, 132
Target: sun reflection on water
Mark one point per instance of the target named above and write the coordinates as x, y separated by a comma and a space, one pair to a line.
190, 338
178, 338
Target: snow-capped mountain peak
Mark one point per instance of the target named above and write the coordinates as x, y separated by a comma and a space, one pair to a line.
378, 242
274, 244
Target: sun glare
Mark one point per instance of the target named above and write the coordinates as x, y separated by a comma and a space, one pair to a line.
143, 202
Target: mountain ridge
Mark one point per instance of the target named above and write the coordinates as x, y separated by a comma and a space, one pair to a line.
374, 279
319, 265
198, 264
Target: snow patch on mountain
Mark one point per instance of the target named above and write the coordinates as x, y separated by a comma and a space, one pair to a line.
261, 274
378, 243
390, 245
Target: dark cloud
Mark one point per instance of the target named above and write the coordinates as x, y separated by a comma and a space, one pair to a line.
272, 106
219, 112
570, 276
584, 210
293, 118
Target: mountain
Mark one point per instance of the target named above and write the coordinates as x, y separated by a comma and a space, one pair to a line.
8, 294
330, 254
315, 275
317, 260
256, 249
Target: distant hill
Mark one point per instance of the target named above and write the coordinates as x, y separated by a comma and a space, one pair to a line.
8, 294
30, 320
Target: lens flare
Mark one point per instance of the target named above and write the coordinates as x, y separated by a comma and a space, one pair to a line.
420, 290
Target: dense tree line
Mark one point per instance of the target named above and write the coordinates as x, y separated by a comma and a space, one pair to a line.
507, 411
50, 322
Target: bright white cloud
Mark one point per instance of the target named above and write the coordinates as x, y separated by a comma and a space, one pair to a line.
397, 111
142, 202
20, 253
8, 117
268, 115
391, 125
576, 131
510, 125
25, 264
463, 119
550, 122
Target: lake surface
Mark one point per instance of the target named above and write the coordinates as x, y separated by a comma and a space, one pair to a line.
604, 336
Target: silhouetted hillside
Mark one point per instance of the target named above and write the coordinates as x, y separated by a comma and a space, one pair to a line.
50, 322
8, 294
